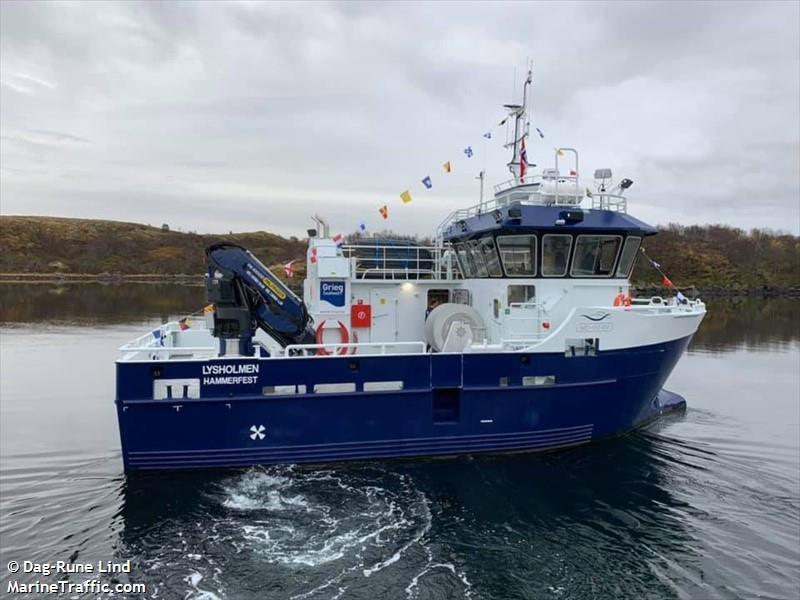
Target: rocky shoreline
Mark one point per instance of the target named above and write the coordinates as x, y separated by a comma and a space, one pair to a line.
177, 278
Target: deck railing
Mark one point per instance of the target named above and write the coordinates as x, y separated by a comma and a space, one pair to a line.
353, 348
606, 201
401, 262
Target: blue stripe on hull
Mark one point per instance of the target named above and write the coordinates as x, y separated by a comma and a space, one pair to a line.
597, 396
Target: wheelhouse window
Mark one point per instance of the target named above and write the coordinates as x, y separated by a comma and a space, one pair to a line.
555, 254
484, 256
628, 256
595, 255
465, 260
477, 259
520, 294
518, 253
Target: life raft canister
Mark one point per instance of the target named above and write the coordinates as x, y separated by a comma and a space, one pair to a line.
622, 299
344, 337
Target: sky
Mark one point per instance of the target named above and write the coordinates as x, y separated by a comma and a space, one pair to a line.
218, 116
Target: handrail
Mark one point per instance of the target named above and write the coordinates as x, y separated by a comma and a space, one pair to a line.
607, 201
532, 179
571, 196
411, 262
352, 345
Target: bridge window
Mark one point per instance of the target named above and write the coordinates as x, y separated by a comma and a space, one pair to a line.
484, 255
555, 254
519, 254
628, 256
465, 260
595, 255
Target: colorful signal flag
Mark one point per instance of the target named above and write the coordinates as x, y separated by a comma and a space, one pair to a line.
405, 197
468, 151
288, 269
384, 210
427, 182
446, 166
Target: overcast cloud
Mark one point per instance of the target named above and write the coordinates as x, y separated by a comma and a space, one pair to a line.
221, 116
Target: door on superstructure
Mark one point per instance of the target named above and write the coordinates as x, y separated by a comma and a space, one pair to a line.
384, 314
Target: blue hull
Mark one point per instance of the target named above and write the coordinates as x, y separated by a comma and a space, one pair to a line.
449, 404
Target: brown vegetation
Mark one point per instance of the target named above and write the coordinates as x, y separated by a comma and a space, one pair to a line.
57, 245
718, 256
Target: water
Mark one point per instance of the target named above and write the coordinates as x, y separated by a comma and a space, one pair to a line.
702, 505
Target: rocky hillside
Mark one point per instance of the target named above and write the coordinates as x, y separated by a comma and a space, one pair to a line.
57, 245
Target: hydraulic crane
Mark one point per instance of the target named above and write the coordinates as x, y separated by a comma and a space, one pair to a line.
246, 295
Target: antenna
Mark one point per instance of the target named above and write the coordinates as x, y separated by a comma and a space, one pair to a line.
481, 176
519, 112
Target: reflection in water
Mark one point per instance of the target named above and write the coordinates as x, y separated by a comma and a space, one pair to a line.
750, 322
96, 302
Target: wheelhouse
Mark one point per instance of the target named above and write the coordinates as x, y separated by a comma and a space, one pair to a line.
524, 241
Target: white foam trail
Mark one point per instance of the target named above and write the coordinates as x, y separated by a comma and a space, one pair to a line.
319, 517
199, 594
396, 556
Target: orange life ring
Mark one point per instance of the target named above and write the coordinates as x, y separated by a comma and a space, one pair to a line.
622, 299
344, 337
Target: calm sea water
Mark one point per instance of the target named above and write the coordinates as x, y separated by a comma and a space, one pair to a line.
702, 505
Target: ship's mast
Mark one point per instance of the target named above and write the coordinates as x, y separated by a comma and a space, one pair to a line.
521, 125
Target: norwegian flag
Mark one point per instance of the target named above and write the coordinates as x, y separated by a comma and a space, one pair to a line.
313, 255
338, 240
523, 161
288, 269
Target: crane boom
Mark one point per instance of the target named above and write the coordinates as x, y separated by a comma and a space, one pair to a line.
247, 294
